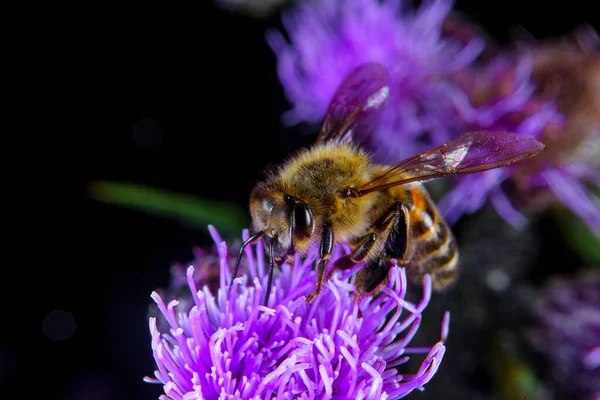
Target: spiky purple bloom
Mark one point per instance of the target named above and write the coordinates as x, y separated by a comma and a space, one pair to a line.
231, 346
439, 89
502, 93
567, 335
330, 38
508, 98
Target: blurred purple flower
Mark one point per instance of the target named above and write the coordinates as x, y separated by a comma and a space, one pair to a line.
501, 97
330, 38
550, 91
567, 70
232, 345
567, 335
440, 88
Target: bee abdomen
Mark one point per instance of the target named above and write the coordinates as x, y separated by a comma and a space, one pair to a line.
441, 263
434, 247
437, 241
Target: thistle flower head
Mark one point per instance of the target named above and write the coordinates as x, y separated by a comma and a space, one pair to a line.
229, 344
526, 93
501, 94
330, 38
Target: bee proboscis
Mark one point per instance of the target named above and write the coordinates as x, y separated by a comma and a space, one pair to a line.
335, 192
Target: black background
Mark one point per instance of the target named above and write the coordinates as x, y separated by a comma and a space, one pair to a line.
208, 77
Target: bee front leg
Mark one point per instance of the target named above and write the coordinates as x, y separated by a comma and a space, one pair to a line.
325, 249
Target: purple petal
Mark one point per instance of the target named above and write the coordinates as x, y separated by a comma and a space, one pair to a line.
574, 195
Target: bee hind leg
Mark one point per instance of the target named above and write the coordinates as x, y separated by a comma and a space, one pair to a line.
372, 276
360, 253
393, 233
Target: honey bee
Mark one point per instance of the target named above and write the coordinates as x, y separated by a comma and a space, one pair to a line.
335, 192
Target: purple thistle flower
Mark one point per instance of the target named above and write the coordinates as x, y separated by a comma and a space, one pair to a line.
229, 345
551, 93
567, 335
501, 93
330, 38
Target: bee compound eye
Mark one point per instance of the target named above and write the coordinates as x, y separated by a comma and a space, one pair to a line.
302, 221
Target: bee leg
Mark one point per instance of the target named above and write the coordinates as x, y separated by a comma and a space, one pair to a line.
269, 283
361, 251
241, 253
271, 267
397, 236
325, 249
372, 275
392, 230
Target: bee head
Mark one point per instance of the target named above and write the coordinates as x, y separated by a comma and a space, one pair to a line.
287, 222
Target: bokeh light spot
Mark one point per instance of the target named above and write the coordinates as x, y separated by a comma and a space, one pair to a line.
497, 280
59, 325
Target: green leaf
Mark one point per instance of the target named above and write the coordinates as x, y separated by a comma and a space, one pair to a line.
579, 236
227, 218
513, 378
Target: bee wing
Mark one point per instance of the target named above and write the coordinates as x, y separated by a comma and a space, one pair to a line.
362, 92
468, 153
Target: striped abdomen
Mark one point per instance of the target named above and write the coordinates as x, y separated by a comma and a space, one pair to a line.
432, 244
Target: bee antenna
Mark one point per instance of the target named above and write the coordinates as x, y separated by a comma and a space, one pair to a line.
271, 266
241, 253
